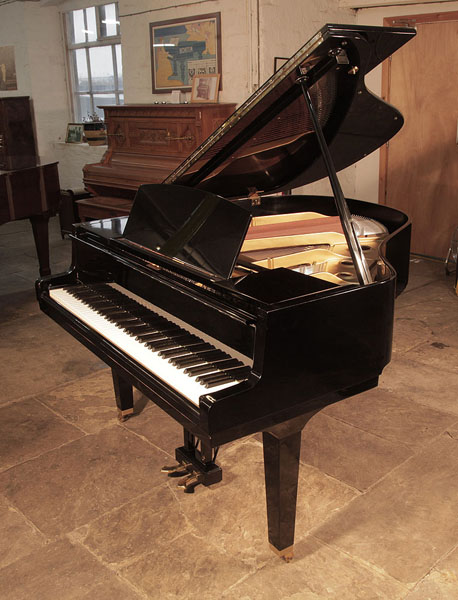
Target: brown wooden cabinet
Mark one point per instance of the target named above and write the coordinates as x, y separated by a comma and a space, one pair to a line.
146, 142
17, 142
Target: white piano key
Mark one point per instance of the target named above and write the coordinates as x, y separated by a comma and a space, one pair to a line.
175, 378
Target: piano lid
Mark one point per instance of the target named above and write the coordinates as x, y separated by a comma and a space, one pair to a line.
268, 144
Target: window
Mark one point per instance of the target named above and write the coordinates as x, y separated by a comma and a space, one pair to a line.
94, 48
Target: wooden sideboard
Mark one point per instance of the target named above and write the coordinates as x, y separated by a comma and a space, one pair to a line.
146, 142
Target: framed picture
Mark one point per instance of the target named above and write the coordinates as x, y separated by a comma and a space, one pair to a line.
205, 88
74, 133
184, 48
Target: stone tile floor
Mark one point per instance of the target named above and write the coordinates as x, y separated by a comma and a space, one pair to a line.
86, 514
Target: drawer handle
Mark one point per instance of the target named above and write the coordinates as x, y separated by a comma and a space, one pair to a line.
169, 138
1, 140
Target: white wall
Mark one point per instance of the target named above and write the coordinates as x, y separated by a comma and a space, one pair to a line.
35, 33
367, 170
236, 34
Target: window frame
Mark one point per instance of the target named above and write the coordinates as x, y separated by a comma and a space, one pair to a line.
107, 40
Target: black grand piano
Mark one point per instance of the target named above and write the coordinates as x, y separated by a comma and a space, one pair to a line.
238, 309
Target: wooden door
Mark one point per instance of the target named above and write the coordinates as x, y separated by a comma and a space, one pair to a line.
419, 166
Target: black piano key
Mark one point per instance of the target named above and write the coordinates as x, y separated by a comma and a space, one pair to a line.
145, 338
212, 366
198, 357
123, 320
166, 333
101, 305
197, 346
109, 310
169, 343
140, 328
84, 293
159, 323
214, 379
115, 315
141, 311
185, 339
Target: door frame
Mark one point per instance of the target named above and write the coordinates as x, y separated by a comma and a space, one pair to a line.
401, 21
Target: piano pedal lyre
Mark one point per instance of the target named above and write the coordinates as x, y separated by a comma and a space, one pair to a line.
197, 465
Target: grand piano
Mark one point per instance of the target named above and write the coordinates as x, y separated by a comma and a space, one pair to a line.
238, 309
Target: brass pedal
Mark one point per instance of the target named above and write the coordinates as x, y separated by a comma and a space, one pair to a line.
177, 470
189, 483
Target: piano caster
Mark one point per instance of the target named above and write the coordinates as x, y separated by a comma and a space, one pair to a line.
123, 415
287, 554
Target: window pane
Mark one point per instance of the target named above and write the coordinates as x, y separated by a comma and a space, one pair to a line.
103, 100
119, 66
77, 26
83, 106
91, 24
81, 73
108, 22
102, 75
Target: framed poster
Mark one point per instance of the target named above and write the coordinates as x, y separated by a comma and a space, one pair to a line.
184, 48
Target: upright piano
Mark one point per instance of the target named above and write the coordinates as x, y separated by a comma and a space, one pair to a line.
146, 142
237, 309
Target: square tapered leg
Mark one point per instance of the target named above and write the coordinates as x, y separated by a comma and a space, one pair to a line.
282, 446
124, 396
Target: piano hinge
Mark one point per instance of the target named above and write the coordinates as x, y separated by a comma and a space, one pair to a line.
406, 22
254, 197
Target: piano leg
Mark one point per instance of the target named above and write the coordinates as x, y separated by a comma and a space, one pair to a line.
124, 396
40, 235
282, 445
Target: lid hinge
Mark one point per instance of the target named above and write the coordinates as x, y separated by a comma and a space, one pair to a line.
254, 197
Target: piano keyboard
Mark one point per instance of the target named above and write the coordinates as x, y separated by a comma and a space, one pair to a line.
187, 360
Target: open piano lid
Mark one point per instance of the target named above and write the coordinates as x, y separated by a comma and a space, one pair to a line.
268, 145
